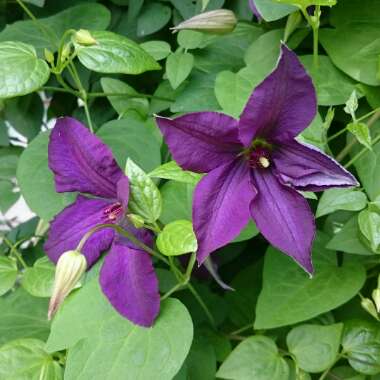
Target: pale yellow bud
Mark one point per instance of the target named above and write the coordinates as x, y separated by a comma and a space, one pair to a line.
70, 268
369, 306
219, 21
65, 52
376, 298
136, 220
49, 56
84, 37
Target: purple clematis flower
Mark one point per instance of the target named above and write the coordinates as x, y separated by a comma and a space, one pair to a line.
254, 9
82, 163
255, 166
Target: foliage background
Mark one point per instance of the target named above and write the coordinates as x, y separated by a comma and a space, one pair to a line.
278, 324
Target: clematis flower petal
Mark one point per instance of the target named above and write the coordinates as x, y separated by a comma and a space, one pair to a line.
201, 141
307, 168
80, 160
69, 226
285, 102
254, 9
128, 280
221, 206
123, 191
284, 217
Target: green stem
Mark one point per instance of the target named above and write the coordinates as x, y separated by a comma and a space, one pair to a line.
88, 116
60, 89
244, 328
104, 94
315, 27
364, 150
190, 266
124, 233
171, 291
203, 305
14, 251
62, 45
326, 372
40, 26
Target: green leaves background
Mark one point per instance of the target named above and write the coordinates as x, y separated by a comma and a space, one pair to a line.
278, 324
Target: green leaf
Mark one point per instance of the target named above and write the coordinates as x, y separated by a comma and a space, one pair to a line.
200, 363
176, 201
114, 53
315, 133
361, 132
21, 72
177, 238
154, 16
8, 162
178, 67
333, 87
25, 114
307, 3
26, 359
198, 94
368, 168
361, 344
8, 196
360, 42
87, 324
8, 273
257, 357
124, 103
248, 232
23, 316
145, 198
157, 49
315, 347
131, 137
171, 170
347, 239
190, 39
36, 180
347, 373
38, 280
84, 16
290, 296
271, 10
341, 199
369, 225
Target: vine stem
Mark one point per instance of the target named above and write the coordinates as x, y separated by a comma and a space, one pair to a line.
122, 232
358, 155
14, 251
104, 94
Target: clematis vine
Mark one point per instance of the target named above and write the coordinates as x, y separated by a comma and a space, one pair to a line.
82, 163
255, 166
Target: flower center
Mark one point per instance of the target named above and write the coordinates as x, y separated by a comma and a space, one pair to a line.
259, 158
113, 212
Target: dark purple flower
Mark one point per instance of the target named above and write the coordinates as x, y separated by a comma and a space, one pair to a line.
82, 163
254, 9
255, 166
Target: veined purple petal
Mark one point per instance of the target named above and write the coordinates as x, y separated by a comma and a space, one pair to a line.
221, 206
284, 103
284, 217
201, 141
80, 161
254, 9
306, 168
123, 191
128, 280
69, 226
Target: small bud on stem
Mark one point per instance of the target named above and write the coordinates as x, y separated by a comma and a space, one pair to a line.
70, 268
219, 21
84, 37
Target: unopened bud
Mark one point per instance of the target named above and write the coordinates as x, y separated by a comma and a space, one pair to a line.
49, 56
84, 37
65, 52
136, 220
369, 306
70, 268
376, 298
219, 21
